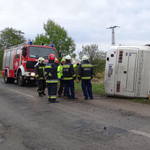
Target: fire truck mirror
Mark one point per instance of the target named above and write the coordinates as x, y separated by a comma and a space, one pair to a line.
24, 53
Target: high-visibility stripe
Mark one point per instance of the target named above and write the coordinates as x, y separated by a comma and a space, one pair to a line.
51, 81
50, 74
36, 75
85, 77
70, 78
48, 67
52, 97
66, 66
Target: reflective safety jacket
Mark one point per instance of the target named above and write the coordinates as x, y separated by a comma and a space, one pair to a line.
60, 71
85, 71
68, 71
51, 72
75, 65
39, 71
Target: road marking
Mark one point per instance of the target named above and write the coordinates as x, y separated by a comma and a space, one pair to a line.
21, 93
140, 133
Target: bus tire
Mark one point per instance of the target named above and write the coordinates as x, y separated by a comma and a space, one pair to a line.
21, 80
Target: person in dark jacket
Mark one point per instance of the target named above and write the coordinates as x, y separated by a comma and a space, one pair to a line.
51, 79
85, 73
69, 77
39, 74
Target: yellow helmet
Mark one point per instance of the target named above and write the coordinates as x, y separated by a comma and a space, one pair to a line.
40, 59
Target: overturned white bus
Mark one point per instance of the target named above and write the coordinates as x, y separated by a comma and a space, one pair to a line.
127, 71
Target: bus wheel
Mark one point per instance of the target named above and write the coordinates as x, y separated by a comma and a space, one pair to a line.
6, 79
21, 80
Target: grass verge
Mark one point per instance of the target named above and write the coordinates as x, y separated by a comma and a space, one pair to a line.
1, 74
142, 100
97, 88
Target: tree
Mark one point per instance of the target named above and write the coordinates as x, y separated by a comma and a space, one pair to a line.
96, 57
10, 37
57, 35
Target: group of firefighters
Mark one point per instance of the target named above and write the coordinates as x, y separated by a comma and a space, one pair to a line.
50, 73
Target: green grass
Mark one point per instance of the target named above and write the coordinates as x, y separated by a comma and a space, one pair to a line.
1, 74
147, 101
97, 88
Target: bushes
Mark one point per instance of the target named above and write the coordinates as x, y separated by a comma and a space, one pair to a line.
1, 58
100, 75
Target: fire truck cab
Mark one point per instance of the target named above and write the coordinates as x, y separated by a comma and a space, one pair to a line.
19, 62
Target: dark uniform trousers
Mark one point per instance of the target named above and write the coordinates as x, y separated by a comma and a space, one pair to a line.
69, 84
41, 84
52, 90
87, 88
62, 87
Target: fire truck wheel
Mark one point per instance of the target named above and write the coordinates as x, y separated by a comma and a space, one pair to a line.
21, 80
6, 79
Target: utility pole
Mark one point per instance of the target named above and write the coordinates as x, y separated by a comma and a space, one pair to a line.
113, 34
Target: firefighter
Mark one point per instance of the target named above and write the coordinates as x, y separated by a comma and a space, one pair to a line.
69, 77
56, 62
51, 79
60, 77
85, 73
39, 74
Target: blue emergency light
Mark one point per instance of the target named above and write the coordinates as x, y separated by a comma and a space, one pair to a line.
52, 45
30, 42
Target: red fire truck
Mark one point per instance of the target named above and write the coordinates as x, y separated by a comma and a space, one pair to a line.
19, 62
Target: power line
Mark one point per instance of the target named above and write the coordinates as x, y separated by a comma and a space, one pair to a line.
88, 24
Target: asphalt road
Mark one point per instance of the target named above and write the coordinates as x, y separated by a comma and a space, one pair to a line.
29, 122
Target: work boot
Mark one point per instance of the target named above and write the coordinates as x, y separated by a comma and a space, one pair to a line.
49, 100
74, 98
43, 93
40, 95
54, 101
85, 98
91, 98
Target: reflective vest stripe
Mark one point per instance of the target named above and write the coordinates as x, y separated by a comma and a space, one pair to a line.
69, 78
85, 77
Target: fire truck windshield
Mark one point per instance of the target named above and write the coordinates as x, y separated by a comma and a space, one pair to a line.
36, 52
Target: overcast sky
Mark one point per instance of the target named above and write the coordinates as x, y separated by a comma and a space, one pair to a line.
85, 20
